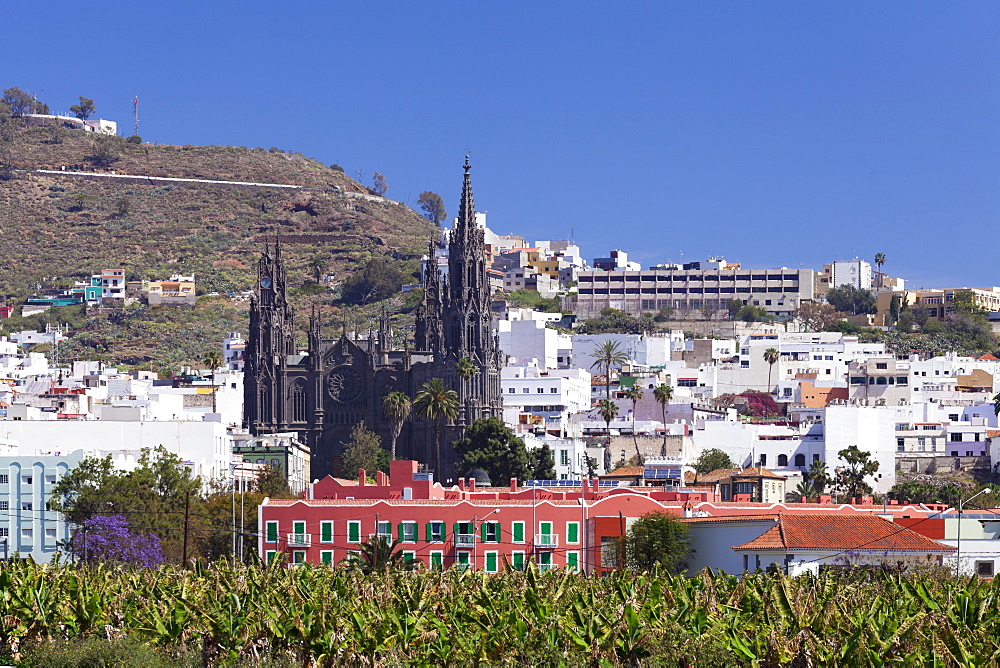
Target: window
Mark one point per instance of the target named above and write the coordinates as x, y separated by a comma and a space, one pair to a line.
26, 505
408, 532
437, 559
957, 436
984, 569
50, 479
50, 533
510, 391
299, 557
800, 460
4, 479
517, 560
572, 532
544, 561
491, 562
782, 460
553, 390
881, 365
4, 532
564, 457
463, 559
573, 560
26, 480
540, 390
953, 417
27, 533
354, 531
435, 532
525, 391
409, 557
326, 532
490, 532
517, 532
326, 557
763, 460
4, 505
271, 532
744, 364
384, 530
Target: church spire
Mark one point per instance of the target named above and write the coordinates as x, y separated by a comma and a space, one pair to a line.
467, 207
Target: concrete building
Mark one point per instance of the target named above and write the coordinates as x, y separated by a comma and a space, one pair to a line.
543, 399
283, 451
178, 290
778, 291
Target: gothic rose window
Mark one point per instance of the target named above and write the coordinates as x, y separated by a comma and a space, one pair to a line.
344, 385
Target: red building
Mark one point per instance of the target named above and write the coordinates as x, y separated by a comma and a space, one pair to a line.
483, 528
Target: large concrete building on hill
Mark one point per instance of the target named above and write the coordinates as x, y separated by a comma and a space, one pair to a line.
339, 383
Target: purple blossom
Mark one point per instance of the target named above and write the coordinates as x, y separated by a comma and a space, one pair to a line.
110, 538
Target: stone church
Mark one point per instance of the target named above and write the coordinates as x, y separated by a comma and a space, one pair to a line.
335, 384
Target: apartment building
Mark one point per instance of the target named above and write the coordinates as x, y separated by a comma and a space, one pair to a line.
778, 291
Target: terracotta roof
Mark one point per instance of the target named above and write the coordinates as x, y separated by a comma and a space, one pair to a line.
989, 358
624, 471
717, 475
760, 472
864, 533
689, 477
490, 503
753, 471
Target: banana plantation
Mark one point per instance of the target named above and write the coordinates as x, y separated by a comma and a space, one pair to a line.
306, 616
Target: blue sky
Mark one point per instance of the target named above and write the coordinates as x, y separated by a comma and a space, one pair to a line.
771, 133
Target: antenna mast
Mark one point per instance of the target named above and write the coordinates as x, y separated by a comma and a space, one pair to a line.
135, 116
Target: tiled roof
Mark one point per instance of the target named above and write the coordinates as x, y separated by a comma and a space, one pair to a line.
989, 358
859, 533
992, 433
723, 474
760, 472
421, 502
624, 471
717, 475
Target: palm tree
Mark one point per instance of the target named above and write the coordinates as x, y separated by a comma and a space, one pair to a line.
996, 404
213, 360
607, 355
804, 489
879, 261
317, 263
634, 394
397, 408
608, 410
466, 369
663, 394
379, 555
818, 476
436, 402
771, 356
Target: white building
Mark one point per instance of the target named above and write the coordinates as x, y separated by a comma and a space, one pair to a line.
854, 272
542, 400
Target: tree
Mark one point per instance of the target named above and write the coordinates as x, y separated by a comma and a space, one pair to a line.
711, 460
804, 490
364, 451
436, 402
607, 410
850, 479
656, 540
379, 186
818, 476
879, 261
663, 394
272, 482
317, 263
817, 316
996, 404
466, 369
750, 313
849, 299
433, 207
380, 555
965, 302
84, 110
21, 103
606, 355
733, 307
771, 356
110, 538
634, 394
490, 445
378, 279
895, 308
397, 407
543, 463
106, 151
212, 360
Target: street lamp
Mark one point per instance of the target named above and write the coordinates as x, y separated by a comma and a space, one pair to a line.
958, 551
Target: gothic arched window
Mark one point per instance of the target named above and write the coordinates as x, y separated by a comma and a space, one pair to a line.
298, 397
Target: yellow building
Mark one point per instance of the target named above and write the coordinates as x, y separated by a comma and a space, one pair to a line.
937, 301
178, 291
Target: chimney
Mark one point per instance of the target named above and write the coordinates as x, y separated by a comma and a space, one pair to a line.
461, 484
472, 484
513, 484
381, 479
362, 477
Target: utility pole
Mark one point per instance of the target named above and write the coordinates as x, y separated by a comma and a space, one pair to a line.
187, 509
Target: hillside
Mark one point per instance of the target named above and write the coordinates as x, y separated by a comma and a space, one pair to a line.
58, 225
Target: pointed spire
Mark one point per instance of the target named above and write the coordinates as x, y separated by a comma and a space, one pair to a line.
467, 207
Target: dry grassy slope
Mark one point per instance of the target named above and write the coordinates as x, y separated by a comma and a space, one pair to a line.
65, 226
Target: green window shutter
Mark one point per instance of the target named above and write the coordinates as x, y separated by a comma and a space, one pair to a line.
519, 561
573, 559
572, 532
429, 531
326, 557
354, 532
518, 532
463, 557
399, 529
298, 527
437, 559
545, 528
326, 532
482, 531
491, 561
272, 532
545, 558
457, 526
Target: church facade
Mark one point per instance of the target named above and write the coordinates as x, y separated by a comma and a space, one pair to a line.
337, 383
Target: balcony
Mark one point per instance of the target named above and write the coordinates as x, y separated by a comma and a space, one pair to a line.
465, 539
299, 539
546, 540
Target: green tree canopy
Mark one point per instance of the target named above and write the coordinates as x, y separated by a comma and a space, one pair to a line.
712, 459
613, 321
363, 451
656, 540
379, 186
851, 479
433, 207
378, 279
22, 103
84, 110
489, 444
271, 482
436, 402
380, 554
850, 299
543, 463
